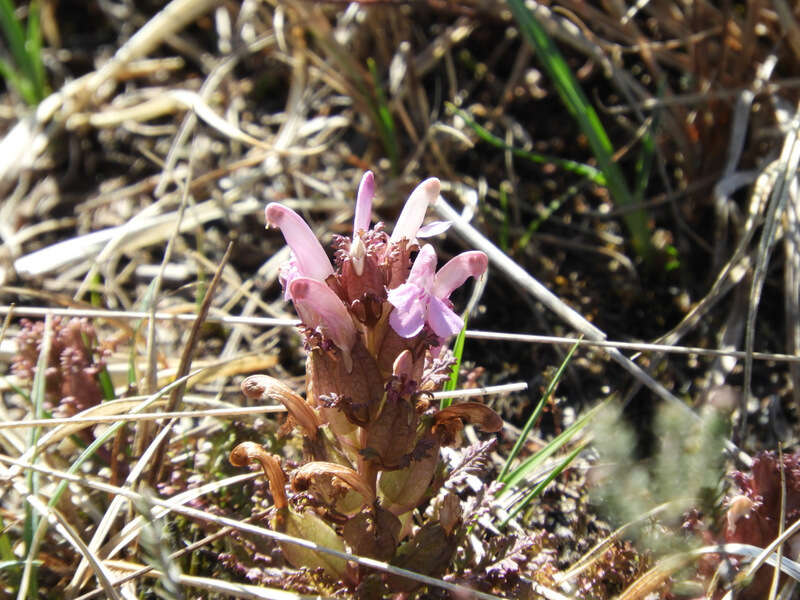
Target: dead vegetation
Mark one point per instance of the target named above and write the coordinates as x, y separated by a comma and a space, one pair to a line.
133, 235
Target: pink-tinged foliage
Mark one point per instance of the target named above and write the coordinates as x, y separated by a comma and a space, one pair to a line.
754, 515
374, 326
73, 366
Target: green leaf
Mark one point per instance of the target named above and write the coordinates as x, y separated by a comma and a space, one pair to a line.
532, 420
312, 528
572, 166
543, 484
584, 114
458, 352
530, 464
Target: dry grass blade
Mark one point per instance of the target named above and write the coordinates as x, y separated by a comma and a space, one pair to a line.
791, 298
230, 589
251, 529
185, 364
656, 576
63, 526
143, 230
116, 505
21, 146
88, 421
520, 277
785, 182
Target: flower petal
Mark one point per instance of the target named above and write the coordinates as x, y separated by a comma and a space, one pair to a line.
424, 268
457, 270
433, 229
366, 191
414, 210
311, 258
442, 319
410, 307
319, 307
289, 271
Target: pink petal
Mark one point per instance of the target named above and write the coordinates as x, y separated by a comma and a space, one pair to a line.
424, 268
434, 228
311, 258
320, 308
287, 274
366, 191
410, 306
457, 270
403, 364
414, 210
442, 319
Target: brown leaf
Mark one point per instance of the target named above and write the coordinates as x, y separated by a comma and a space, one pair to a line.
472, 412
391, 437
428, 552
315, 474
373, 533
327, 376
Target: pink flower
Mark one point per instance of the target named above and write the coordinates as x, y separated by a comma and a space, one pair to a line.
413, 213
321, 309
424, 297
366, 191
309, 258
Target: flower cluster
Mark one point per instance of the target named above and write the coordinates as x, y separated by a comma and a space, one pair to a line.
76, 359
374, 324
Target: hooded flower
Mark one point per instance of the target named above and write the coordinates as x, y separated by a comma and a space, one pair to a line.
373, 323
425, 297
308, 257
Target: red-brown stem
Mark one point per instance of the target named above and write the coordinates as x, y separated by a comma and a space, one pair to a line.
249, 452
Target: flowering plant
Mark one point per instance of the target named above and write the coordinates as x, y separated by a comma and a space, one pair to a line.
374, 325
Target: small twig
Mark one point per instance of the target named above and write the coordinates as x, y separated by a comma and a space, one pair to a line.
186, 360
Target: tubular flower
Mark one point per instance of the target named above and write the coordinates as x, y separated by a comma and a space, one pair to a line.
424, 298
363, 213
320, 308
374, 322
309, 258
413, 213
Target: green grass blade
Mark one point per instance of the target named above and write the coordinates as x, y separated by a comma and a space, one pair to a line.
521, 471
458, 352
540, 487
6, 549
13, 32
16, 81
584, 114
33, 50
29, 584
572, 166
504, 226
108, 433
384, 117
534, 418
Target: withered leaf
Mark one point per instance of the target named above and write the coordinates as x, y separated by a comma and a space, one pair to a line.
373, 532
472, 412
428, 552
328, 376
